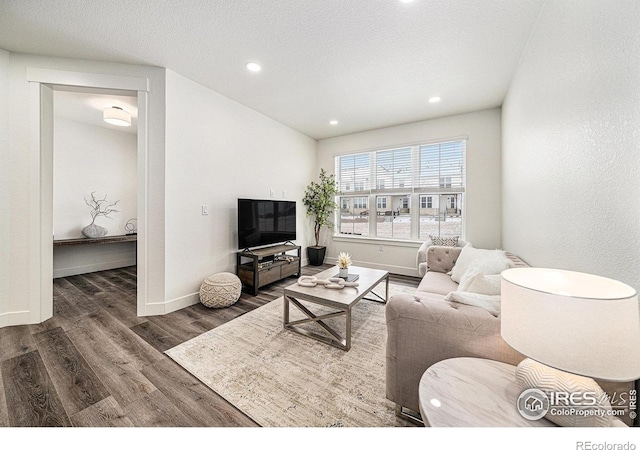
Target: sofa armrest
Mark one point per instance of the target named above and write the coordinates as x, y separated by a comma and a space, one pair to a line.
421, 258
423, 329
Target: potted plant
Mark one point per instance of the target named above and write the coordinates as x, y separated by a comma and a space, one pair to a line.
319, 199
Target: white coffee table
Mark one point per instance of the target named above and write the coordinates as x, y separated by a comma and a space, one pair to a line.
472, 392
340, 300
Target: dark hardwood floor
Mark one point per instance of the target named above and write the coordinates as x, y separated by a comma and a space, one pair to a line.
96, 364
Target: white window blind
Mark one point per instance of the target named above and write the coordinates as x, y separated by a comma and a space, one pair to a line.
394, 169
353, 173
442, 166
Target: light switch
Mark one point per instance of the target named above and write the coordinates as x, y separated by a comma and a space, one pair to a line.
272, 193
205, 210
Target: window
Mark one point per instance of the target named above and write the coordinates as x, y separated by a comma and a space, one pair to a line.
426, 201
434, 174
360, 203
354, 216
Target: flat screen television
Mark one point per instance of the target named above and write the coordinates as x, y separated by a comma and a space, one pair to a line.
264, 222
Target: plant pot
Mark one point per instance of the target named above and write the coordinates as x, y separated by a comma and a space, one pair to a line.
343, 273
316, 255
94, 231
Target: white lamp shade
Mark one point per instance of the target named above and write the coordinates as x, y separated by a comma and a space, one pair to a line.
117, 116
576, 322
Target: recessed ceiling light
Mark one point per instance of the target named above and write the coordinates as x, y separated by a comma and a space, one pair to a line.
434, 99
406, 1
253, 67
333, 122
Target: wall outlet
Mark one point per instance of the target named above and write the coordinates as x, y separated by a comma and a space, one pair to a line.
205, 210
272, 193
380, 248
284, 194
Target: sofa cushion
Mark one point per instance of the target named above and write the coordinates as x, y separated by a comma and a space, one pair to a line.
442, 258
468, 255
437, 283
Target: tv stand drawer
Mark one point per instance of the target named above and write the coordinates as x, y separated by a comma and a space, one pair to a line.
268, 275
289, 269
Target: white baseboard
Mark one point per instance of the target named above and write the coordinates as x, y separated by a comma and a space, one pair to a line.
14, 318
77, 270
398, 270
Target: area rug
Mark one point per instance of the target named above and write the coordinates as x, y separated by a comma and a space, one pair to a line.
282, 379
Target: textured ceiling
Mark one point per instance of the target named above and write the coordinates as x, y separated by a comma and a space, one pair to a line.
366, 63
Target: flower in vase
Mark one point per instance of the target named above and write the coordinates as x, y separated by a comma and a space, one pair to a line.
344, 260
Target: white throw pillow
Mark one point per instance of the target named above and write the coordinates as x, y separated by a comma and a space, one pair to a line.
469, 255
489, 303
490, 265
483, 284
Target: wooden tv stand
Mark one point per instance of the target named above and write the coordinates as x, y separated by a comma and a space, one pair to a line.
267, 265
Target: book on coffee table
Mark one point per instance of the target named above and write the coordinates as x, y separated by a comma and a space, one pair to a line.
349, 279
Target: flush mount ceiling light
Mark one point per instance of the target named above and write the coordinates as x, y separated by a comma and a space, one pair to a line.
117, 116
434, 99
333, 122
253, 67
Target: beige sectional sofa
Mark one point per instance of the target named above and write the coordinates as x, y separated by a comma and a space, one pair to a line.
423, 328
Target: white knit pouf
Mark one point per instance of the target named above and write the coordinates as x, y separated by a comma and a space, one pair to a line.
220, 290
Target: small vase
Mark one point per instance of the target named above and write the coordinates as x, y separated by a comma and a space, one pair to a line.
94, 231
343, 273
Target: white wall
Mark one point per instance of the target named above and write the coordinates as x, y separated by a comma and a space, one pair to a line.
5, 173
217, 151
482, 211
90, 158
19, 169
571, 160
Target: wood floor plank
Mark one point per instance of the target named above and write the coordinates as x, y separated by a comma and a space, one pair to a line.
4, 412
120, 303
105, 413
85, 302
16, 340
140, 353
178, 328
155, 410
114, 368
155, 336
203, 406
31, 397
76, 384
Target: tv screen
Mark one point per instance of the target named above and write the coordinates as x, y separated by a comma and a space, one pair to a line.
263, 222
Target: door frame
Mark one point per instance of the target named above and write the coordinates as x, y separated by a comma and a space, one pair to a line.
41, 83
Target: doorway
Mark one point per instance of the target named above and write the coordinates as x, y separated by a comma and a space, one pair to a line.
43, 83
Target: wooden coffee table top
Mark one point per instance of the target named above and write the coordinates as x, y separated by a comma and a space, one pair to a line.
340, 298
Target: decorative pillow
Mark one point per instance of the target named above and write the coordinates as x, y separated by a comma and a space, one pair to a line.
489, 303
596, 412
485, 266
451, 241
470, 254
482, 284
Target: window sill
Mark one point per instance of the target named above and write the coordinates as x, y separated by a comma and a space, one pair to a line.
377, 241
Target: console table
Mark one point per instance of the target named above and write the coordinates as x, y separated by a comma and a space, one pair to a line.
267, 265
102, 240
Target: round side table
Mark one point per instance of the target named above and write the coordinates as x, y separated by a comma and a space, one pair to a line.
472, 392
